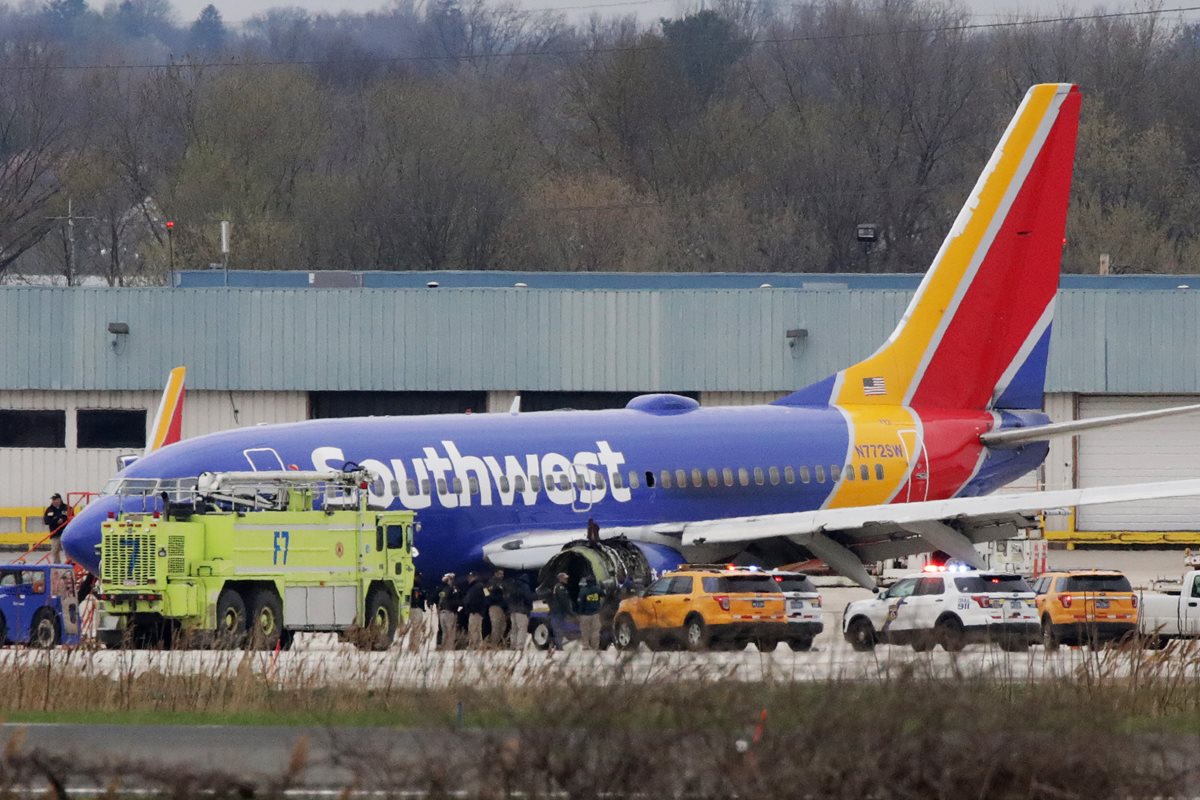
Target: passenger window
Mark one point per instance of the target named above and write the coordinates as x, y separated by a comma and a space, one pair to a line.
681, 584
411, 486
664, 479
503, 485
789, 474
711, 585
600, 482
935, 585
634, 483
649, 479
820, 471
681, 478
535, 482
904, 588
727, 476
804, 475
579, 481
519, 483
441, 484
879, 472
564, 482
473, 482
1196, 586
425, 486
773, 474
712, 478
850, 472
660, 586
458, 486
863, 472
743, 476
835, 472
617, 481
697, 479
758, 476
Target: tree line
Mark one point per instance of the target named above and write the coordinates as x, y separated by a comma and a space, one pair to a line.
456, 134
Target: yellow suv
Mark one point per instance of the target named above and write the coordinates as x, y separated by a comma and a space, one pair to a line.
722, 606
1086, 606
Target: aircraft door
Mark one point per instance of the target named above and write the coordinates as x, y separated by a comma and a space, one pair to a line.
918, 457
584, 484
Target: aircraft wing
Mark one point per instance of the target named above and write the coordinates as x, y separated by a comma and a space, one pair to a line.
846, 537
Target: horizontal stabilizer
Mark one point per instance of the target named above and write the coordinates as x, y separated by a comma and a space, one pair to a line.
1014, 437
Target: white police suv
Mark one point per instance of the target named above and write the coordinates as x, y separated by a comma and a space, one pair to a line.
947, 605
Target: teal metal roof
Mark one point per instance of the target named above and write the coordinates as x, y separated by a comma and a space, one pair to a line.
1104, 340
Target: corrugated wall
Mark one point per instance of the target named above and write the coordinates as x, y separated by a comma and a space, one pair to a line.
31, 475
550, 340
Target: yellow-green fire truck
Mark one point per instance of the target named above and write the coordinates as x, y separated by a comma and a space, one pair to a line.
243, 558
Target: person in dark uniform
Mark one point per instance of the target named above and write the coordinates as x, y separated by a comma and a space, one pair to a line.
520, 602
416, 615
561, 607
588, 607
55, 518
475, 604
497, 608
449, 601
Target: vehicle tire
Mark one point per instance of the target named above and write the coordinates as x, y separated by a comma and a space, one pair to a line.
287, 639
380, 621
766, 644
1049, 637
265, 621
801, 644
45, 632
1155, 641
625, 633
950, 634
541, 635
861, 635
231, 621
695, 634
922, 644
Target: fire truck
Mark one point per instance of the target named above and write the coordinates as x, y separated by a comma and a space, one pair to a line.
249, 559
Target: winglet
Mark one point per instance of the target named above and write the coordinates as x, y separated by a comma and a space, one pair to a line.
167, 427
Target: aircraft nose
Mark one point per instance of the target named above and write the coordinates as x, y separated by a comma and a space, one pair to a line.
82, 533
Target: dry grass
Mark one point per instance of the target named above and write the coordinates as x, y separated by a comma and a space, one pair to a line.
1108, 728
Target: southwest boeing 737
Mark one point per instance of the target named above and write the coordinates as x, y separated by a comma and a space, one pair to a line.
891, 456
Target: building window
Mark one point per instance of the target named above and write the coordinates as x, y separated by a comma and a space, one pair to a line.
743, 476
727, 476
110, 428
712, 478
789, 474
36, 429
804, 475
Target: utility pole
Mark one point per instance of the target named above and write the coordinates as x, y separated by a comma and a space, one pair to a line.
70, 219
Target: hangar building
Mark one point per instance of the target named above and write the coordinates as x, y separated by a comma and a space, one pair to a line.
83, 368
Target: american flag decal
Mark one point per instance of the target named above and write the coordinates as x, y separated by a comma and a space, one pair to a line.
874, 386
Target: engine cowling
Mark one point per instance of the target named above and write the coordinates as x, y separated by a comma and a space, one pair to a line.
617, 564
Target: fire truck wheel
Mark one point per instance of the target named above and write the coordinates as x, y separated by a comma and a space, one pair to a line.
231, 620
45, 631
265, 619
381, 621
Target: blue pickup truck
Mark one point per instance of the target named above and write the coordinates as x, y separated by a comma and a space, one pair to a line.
38, 605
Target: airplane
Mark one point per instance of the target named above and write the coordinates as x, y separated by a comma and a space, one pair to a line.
891, 456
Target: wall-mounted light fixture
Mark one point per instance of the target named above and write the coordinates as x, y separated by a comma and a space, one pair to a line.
118, 331
796, 335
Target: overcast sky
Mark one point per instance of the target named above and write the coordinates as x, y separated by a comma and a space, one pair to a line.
238, 10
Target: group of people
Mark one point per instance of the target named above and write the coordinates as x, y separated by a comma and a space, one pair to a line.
493, 611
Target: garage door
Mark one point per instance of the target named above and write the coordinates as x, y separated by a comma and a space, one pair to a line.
1158, 450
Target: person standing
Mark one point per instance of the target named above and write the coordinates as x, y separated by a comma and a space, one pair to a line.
449, 601
588, 607
561, 607
416, 615
475, 604
55, 517
520, 602
497, 608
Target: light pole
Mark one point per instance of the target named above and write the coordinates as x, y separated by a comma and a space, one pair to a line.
867, 234
171, 244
